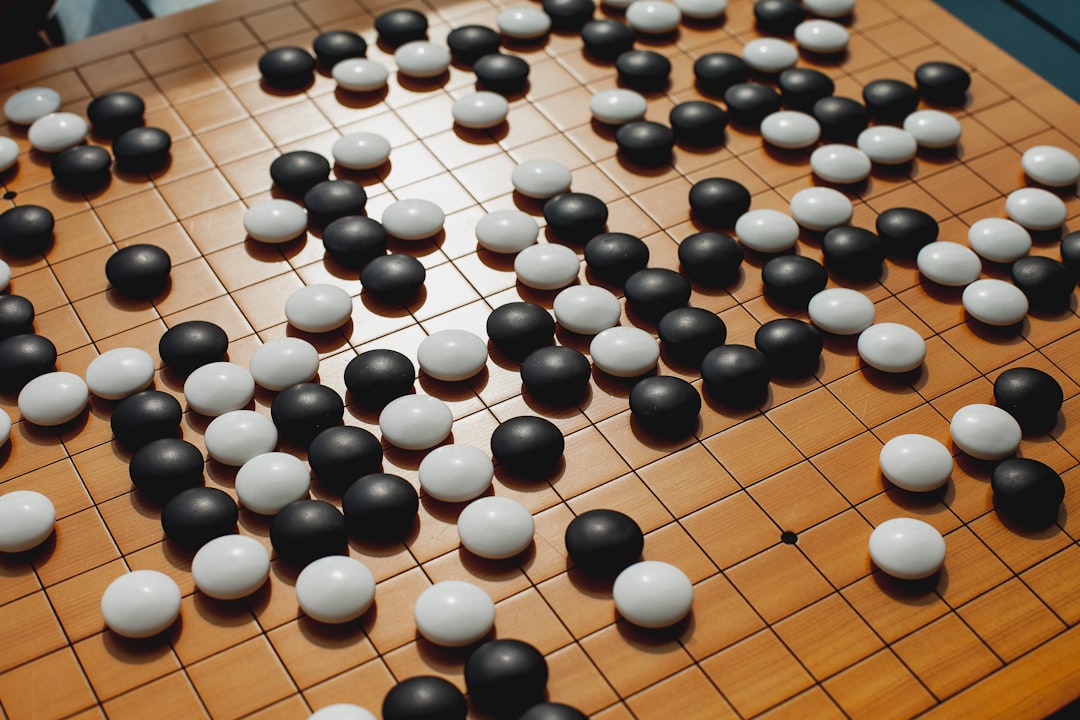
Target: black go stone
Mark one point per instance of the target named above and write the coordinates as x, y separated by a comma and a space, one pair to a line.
556, 374
778, 17
469, 43
607, 39
83, 168
645, 142
113, 113
1047, 283
1031, 396
393, 278
162, 469
195, 517
380, 507
711, 258
396, 27
1070, 252
138, 271
26, 230
715, 72
665, 405
16, 316
336, 45
527, 445
853, 253
298, 171
800, 88
644, 70
1027, 491
144, 417
602, 543
942, 83
287, 68
334, 199
504, 677
518, 328
302, 411
553, 711
791, 280
192, 344
576, 217
424, 697
890, 101
354, 240
688, 334
307, 530
339, 455
905, 231
613, 257
23, 358
375, 377
569, 14
792, 347
506, 74
698, 122
654, 292
142, 149
749, 103
719, 201
736, 375
841, 118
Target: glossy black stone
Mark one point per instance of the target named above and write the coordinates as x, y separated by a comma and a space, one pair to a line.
380, 507
1027, 491
715, 72
339, 455
287, 68
890, 101
1031, 396
905, 231
144, 417
192, 344
527, 445
162, 469
83, 168
665, 405
298, 171
853, 253
500, 73
654, 292
603, 542
569, 14
800, 88
333, 199
576, 217
196, 516
375, 377
307, 530
138, 271
396, 27
336, 45
553, 711
607, 39
688, 334
504, 677
942, 83
841, 118
23, 358
518, 328
791, 280
469, 43
792, 347
778, 17
736, 375
1070, 252
302, 411
711, 258
354, 240
613, 257
719, 201
698, 122
142, 149
1047, 283
424, 697
393, 278
113, 113
645, 142
749, 103
16, 316
645, 70
556, 374
26, 230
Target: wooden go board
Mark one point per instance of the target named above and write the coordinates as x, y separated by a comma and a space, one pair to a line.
778, 630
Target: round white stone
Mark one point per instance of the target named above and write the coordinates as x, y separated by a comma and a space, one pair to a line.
653, 17
26, 106
57, 131
53, 398
318, 308
342, 711
949, 263
480, 110
586, 309
283, 362
360, 74
985, 432
456, 473
422, 59
27, 518
275, 221
507, 231
790, 129
5, 426
235, 437
415, 422
1035, 208
217, 388
841, 164
230, 567
547, 266
770, 55
841, 311
268, 482
821, 208
933, 128
454, 613
891, 347
1051, 165
916, 462
117, 373
541, 179
995, 302
624, 351
617, 106
413, 219
653, 594
767, 231
452, 355
702, 9
523, 23
335, 589
829, 8
999, 240
141, 603
5, 275
822, 36
9, 154
495, 527
907, 548
360, 150
887, 145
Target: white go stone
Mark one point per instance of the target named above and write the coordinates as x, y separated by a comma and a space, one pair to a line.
887, 145
830, 8
5, 275
523, 23
318, 308
452, 355
624, 351
268, 482
653, 594
5, 427
767, 231
1035, 208
230, 567
495, 527
822, 36
456, 473
341, 711
907, 548
547, 266
57, 131
790, 129
335, 589
27, 519
413, 219
53, 398
1051, 165
120, 372
933, 128
216, 388
985, 432
360, 74
507, 231
141, 603
617, 106
770, 55
586, 309
841, 164
995, 302
360, 150
454, 613
841, 311
891, 347
999, 240
275, 221
422, 59
415, 422
949, 263
821, 208
283, 362
916, 462
26, 106
653, 17
540, 179
480, 110
9, 154
235, 437
702, 9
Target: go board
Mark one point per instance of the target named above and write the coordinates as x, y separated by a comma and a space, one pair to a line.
804, 628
